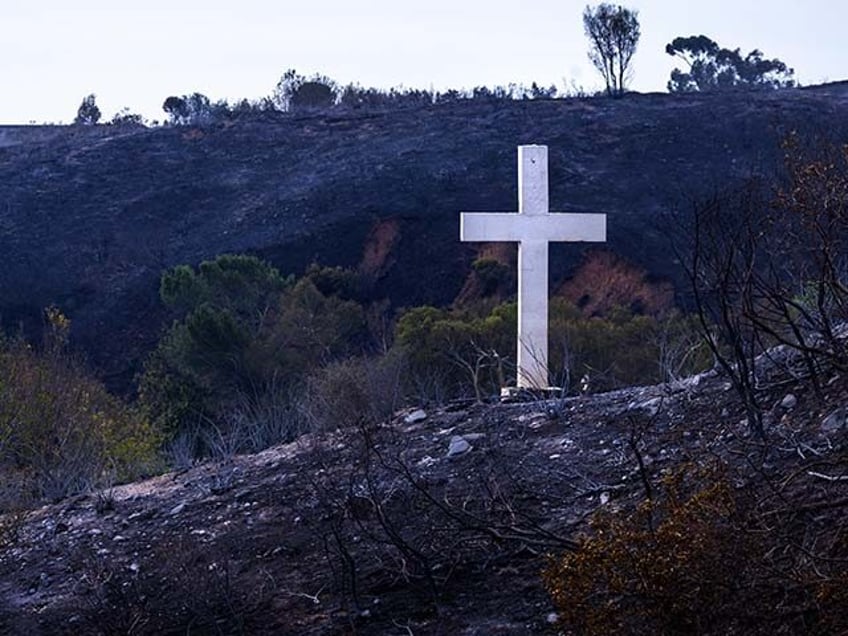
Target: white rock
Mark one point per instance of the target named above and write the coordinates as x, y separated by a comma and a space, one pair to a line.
789, 402
651, 407
177, 509
416, 416
458, 446
835, 421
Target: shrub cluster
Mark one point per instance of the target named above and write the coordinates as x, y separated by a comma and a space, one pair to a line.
253, 358
245, 337
453, 352
296, 93
61, 432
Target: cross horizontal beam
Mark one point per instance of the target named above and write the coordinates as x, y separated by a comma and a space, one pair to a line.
556, 227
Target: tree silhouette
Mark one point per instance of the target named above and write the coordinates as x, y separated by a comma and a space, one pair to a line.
713, 69
88, 113
296, 92
613, 33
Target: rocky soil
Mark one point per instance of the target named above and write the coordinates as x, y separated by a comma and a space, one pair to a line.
435, 522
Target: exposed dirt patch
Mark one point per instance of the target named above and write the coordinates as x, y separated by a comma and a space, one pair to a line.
378, 256
605, 280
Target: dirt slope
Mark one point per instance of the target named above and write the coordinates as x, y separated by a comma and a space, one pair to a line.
424, 525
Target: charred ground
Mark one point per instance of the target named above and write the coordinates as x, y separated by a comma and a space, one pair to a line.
90, 216
442, 524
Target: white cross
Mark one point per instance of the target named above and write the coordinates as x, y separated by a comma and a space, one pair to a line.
533, 228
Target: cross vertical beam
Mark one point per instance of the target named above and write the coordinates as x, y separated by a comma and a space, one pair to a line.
533, 314
533, 180
532, 367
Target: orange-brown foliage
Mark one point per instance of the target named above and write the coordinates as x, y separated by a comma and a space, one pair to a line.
605, 280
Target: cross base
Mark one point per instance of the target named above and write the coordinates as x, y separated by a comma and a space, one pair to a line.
524, 394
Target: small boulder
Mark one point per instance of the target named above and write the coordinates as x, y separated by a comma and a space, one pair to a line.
417, 415
835, 421
789, 402
458, 446
650, 407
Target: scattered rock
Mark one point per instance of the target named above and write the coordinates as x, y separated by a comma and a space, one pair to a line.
458, 446
529, 417
835, 421
177, 509
417, 415
650, 407
140, 515
789, 402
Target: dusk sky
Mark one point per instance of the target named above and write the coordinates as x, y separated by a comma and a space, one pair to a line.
135, 54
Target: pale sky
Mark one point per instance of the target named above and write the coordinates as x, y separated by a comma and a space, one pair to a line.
136, 53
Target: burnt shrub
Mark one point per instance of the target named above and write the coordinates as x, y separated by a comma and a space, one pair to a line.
703, 556
353, 391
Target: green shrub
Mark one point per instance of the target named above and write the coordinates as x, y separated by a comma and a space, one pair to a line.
247, 336
493, 275
623, 348
464, 352
243, 285
454, 353
61, 432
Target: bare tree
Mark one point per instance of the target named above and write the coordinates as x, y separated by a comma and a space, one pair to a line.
613, 33
767, 268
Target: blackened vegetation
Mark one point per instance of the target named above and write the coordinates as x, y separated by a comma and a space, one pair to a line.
768, 269
650, 510
92, 215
